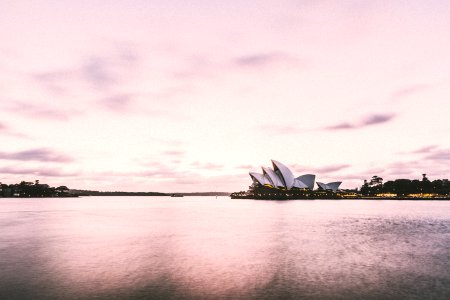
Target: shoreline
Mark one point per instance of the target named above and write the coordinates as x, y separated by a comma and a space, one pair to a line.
344, 198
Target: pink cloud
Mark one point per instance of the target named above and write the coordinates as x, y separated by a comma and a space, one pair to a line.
410, 90
41, 111
118, 102
319, 170
246, 167
370, 120
6, 130
341, 126
429, 154
174, 153
39, 154
99, 71
426, 149
38, 171
412, 169
259, 60
439, 155
56, 82
374, 119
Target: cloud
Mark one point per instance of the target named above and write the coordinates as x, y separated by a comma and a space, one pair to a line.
159, 173
6, 130
39, 154
402, 168
409, 90
403, 164
431, 153
426, 149
411, 169
195, 67
439, 155
128, 102
340, 126
107, 70
374, 119
100, 71
256, 59
41, 111
265, 59
118, 102
97, 70
38, 171
370, 120
55, 81
331, 168
174, 153
323, 169
246, 167
423, 151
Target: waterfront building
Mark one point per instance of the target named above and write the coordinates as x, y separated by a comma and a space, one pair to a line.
332, 186
280, 177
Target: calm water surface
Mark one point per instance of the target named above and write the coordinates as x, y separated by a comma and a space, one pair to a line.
207, 248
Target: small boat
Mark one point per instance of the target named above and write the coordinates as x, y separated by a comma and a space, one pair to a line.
177, 195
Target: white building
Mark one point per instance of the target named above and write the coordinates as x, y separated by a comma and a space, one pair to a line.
281, 177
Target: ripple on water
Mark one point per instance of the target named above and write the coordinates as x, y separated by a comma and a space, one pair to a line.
202, 248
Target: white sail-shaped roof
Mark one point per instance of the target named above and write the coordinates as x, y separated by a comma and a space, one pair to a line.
334, 185
285, 174
273, 177
281, 177
299, 184
329, 186
258, 178
322, 185
268, 181
308, 180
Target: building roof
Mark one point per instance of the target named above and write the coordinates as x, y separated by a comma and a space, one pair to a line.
284, 173
273, 177
308, 180
334, 186
282, 177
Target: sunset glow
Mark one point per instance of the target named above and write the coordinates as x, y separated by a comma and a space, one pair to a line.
183, 96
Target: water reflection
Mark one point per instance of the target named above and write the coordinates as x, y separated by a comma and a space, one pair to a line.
203, 248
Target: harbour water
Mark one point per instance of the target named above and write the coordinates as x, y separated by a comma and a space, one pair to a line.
208, 248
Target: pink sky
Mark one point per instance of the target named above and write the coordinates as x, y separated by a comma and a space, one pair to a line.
192, 95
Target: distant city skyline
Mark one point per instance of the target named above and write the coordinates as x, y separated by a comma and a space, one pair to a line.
184, 96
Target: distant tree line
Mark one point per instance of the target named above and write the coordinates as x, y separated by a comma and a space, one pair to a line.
405, 187
26, 189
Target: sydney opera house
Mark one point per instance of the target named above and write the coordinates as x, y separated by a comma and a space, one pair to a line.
280, 182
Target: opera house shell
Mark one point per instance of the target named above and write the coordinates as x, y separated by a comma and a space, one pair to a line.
281, 177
